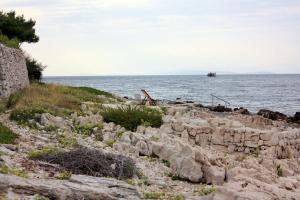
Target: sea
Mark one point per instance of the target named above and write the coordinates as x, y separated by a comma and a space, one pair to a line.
254, 92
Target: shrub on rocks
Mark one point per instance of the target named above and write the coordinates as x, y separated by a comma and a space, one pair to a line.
6, 135
92, 162
131, 117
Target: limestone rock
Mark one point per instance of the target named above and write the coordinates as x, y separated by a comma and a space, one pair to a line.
214, 175
50, 120
89, 120
144, 148
79, 187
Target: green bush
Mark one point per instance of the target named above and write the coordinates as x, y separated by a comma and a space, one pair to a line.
23, 116
131, 117
42, 152
35, 69
13, 43
87, 130
12, 171
6, 135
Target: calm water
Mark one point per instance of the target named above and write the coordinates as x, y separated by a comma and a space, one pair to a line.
276, 92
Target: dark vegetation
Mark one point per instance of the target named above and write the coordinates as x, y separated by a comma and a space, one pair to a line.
17, 27
6, 135
15, 30
131, 117
35, 69
91, 162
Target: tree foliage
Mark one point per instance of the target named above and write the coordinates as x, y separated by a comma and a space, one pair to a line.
35, 69
17, 27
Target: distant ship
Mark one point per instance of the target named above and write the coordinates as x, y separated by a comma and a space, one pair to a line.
212, 74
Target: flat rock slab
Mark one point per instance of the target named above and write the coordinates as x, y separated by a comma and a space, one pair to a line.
78, 187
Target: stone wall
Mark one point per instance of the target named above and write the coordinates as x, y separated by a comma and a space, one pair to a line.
249, 134
13, 70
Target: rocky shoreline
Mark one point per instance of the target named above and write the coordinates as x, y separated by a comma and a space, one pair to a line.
197, 153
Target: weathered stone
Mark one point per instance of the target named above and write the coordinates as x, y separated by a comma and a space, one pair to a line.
13, 70
231, 148
251, 144
266, 136
144, 148
214, 175
79, 187
89, 120
50, 120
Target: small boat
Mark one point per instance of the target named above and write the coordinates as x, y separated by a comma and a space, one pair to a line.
212, 74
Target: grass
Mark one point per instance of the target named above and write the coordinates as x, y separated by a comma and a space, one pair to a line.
3, 103
154, 195
39, 197
12, 171
95, 91
42, 152
166, 163
87, 130
6, 135
110, 142
13, 43
67, 141
206, 191
163, 195
65, 175
57, 100
131, 117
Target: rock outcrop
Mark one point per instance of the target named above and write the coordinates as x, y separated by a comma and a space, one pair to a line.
13, 70
78, 187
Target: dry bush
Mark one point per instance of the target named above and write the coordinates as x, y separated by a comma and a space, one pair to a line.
93, 163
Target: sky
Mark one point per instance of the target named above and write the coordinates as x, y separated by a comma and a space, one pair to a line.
151, 37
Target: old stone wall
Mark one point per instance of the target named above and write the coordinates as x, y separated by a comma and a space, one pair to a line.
13, 70
249, 134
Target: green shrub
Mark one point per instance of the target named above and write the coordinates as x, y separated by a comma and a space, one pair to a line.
67, 141
166, 163
6, 135
35, 69
23, 116
13, 43
42, 152
12, 171
65, 175
87, 130
50, 128
206, 191
110, 142
39, 197
14, 98
154, 195
131, 117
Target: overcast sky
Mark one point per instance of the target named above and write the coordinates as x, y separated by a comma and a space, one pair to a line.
122, 37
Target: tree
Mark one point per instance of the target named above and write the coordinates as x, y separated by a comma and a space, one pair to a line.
17, 27
35, 69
